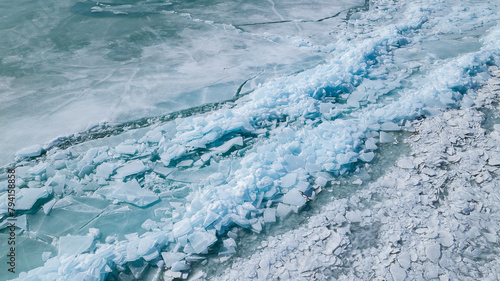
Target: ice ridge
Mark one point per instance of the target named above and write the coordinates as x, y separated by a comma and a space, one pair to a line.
264, 157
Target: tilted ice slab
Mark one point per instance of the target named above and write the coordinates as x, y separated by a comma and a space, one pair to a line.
295, 136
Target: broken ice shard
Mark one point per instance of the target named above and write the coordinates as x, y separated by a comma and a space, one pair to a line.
74, 245
31, 151
294, 197
228, 145
200, 240
132, 168
130, 192
27, 197
181, 228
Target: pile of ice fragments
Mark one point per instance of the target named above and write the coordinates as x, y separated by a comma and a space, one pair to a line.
191, 181
434, 216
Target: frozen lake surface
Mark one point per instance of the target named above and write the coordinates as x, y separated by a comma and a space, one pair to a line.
150, 139
67, 66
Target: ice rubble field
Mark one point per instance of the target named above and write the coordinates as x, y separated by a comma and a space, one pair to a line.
191, 183
432, 217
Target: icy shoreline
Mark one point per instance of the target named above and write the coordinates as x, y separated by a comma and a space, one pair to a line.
436, 214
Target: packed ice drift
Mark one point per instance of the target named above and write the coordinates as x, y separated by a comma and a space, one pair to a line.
266, 155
